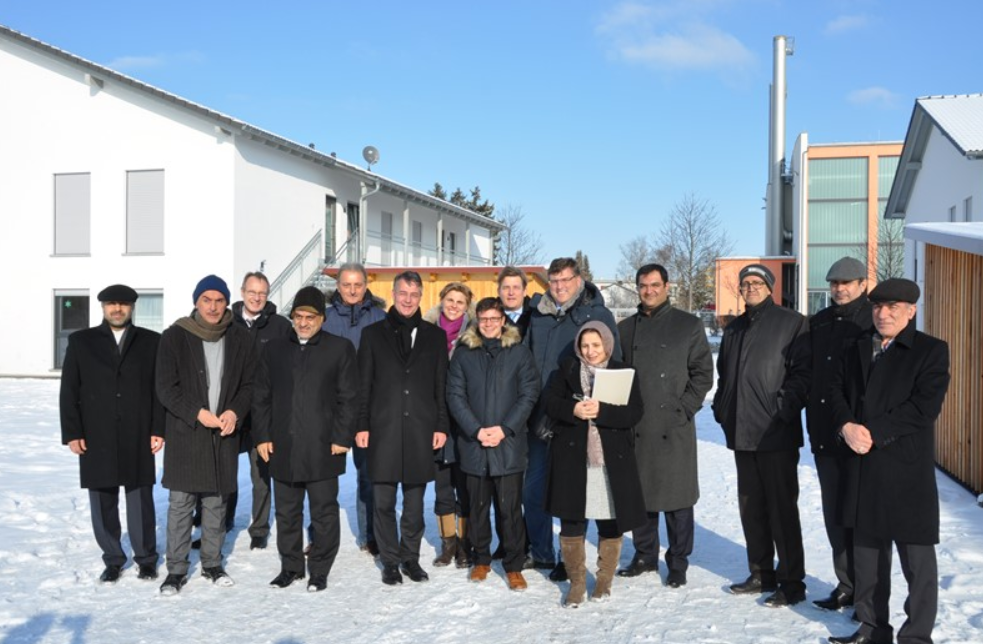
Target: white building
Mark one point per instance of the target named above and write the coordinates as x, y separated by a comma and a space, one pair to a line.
105, 179
940, 175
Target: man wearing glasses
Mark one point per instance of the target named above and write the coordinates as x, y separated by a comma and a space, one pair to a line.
258, 316
555, 318
763, 372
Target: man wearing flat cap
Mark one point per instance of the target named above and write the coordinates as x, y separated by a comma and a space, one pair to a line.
111, 418
830, 331
304, 411
885, 399
205, 368
763, 384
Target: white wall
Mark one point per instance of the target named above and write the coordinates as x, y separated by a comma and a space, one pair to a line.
52, 121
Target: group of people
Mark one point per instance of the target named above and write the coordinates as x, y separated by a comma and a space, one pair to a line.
493, 401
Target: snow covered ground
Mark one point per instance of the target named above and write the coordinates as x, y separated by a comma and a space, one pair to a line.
49, 568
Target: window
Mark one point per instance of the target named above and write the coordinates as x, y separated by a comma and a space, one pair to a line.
149, 310
952, 213
72, 213
968, 209
145, 212
329, 227
71, 314
387, 224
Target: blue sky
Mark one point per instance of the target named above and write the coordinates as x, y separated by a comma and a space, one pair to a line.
594, 117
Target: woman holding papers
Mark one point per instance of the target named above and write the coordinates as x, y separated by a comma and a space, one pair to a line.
593, 473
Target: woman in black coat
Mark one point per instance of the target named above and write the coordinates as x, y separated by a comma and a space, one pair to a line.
492, 386
593, 473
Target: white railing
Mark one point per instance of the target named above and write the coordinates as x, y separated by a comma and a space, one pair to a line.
298, 273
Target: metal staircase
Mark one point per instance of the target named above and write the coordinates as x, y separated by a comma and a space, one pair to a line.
307, 269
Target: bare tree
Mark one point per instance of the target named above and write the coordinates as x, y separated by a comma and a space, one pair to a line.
694, 238
889, 261
637, 252
517, 245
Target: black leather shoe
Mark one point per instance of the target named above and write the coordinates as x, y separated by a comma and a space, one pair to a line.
147, 572
414, 571
111, 574
676, 578
559, 573
258, 543
637, 567
391, 576
856, 638
785, 597
317, 583
173, 584
285, 578
836, 600
536, 564
218, 576
754, 584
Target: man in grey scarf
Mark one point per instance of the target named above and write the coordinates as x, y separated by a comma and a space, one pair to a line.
205, 368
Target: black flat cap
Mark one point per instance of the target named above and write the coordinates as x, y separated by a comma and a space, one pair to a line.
896, 289
118, 293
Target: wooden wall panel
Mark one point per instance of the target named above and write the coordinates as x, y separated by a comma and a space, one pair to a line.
953, 310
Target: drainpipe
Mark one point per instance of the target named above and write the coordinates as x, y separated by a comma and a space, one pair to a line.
363, 218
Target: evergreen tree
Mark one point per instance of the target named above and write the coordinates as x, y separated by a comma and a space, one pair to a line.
584, 263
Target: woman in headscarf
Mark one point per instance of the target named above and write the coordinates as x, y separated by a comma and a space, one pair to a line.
593, 473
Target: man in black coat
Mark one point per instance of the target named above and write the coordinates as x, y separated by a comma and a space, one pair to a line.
205, 368
669, 351
885, 400
512, 284
304, 409
830, 331
111, 418
258, 316
762, 386
402, 366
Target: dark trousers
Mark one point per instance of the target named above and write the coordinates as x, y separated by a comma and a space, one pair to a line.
450, 491
768, 495
323, 499
259, 474
403, 546
506, 491
872, 561
363, 496
141, 524
606, 528
840, 538
539, 523
679, 531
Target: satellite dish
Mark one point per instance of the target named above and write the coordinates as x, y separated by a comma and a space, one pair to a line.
371, 155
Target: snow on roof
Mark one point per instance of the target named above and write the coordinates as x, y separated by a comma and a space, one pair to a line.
960, 118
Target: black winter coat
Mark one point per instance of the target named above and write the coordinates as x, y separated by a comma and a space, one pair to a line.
674, 367
890, 492
108, 398
305, 400
488, 385
402, 403
198, 458
831, 331
566, 487
266, 327
763, 372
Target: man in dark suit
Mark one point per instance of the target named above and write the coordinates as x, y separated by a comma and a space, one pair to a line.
402, 366
886, 398
111, 418
512, 284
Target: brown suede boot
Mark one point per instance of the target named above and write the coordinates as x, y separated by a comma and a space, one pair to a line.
463, 557
448, 540
608, 554
574, 557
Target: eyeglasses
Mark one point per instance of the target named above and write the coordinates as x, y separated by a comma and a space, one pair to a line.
492, 319
556, 281
752, 286
260, 294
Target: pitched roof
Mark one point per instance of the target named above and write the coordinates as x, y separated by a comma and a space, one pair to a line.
958, 118
99, 75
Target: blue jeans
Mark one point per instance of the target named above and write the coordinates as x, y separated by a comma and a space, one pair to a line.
539, 524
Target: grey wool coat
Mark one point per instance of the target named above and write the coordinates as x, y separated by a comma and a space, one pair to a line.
197, 459
674, 367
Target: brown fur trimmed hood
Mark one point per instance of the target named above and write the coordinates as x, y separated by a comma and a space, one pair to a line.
472, 338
